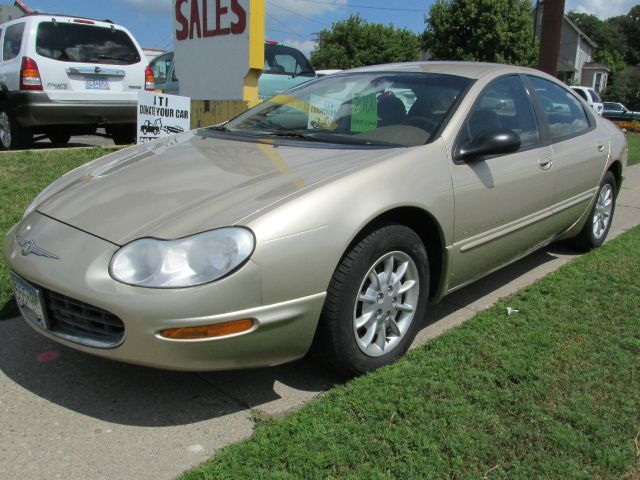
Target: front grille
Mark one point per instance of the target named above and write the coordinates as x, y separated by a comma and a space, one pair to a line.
82, 323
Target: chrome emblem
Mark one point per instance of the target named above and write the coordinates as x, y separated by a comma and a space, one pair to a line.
98, 70
27, 247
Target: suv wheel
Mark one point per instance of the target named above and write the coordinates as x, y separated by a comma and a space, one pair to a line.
123, 134
59, 138
12, 135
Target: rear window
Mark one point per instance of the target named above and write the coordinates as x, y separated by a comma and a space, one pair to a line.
70, 42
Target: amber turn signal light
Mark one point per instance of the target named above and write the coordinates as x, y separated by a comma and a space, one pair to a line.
208, 331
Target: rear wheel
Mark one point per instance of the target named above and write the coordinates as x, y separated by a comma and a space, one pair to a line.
375, 303
595, 231
12, 135
123, 134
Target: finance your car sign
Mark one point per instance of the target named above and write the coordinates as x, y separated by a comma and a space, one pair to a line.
162, 115
213, 43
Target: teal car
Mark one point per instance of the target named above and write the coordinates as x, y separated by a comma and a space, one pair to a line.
284, 67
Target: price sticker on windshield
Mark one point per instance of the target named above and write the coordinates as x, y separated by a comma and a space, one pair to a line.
364, 116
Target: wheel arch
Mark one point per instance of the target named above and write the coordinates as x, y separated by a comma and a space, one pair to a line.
425, 226
616, 169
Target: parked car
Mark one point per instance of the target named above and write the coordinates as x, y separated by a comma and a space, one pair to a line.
617, 111
327, 218
590, 96
61, 76
284, 67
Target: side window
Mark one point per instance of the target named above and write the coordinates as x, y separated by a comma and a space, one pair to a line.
581, 93
160, 67
504, 104
12, 41
279, 59
564, 113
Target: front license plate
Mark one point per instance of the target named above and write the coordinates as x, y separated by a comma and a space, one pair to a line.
29, 300
96, 83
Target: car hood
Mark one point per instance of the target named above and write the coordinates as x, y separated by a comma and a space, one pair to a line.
190, 183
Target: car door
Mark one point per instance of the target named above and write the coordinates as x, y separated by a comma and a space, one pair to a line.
503, 202
580, 150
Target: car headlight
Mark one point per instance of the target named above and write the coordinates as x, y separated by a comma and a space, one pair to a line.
186, 262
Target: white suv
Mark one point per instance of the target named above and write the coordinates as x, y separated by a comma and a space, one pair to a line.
590, 96
64, 75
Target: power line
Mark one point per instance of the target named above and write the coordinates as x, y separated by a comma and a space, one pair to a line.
288, 33
351, 5
284, 25
298, 14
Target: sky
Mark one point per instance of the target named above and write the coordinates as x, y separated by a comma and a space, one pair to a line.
290, 21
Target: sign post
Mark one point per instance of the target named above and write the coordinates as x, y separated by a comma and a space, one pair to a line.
219, 56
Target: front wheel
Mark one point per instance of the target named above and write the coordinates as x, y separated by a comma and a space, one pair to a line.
595, 231
375, 303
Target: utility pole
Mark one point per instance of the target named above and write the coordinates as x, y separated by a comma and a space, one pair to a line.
550, 34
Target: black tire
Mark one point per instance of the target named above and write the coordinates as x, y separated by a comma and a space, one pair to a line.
588, 239
123, 134
338, 341
59, 138
12, 135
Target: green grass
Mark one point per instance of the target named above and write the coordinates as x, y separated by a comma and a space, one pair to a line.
550, 392
22, 176
633, 140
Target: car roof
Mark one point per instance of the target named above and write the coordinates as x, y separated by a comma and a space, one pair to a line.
463, 69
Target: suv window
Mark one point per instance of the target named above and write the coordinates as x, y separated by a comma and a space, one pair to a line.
504, 104
563, 111
70, 42
12, 41
594, 96
581, 93
283, 60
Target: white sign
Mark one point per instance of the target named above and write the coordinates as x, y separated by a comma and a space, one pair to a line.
211, 44
160, 115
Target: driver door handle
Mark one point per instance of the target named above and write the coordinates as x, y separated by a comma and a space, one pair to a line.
545, 163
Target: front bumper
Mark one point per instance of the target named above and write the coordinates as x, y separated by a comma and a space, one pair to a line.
35, 109
282, 332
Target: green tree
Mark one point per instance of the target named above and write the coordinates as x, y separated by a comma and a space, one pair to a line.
631, 28
489, 30
626, 88
355, 43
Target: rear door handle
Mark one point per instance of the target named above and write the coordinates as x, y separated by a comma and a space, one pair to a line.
545, 163
601, 147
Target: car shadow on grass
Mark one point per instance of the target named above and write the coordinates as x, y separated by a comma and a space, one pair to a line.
139, 396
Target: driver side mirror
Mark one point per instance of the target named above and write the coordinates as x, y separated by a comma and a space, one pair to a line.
489, 142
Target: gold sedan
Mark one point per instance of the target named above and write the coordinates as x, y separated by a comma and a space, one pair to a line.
328, 217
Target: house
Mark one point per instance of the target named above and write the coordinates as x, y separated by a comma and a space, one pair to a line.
575, 63
10, 12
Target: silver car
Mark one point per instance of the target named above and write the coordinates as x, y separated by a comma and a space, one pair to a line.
327, 218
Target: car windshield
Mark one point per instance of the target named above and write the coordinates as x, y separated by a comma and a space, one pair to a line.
71, 42
375, 108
